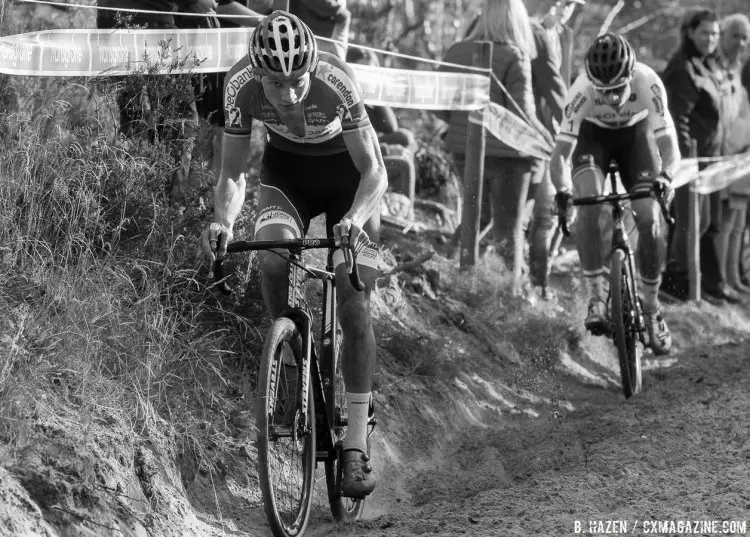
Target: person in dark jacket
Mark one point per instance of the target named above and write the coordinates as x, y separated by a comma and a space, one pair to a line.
694, 83
549, 92
326, 18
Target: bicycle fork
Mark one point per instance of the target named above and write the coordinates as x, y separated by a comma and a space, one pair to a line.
621, 242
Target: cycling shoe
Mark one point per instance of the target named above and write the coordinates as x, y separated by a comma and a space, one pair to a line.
659, 336
358, 480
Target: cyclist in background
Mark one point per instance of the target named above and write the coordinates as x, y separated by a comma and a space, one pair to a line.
322, 156
618, 111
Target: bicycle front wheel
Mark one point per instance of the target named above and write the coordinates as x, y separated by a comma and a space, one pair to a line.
343, 508
286, 438
625, 322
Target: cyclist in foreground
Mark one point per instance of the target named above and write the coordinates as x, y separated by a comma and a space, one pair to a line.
322, 156
617, 111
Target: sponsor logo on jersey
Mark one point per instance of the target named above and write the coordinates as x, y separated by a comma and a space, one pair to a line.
276, 217
575, 105
620, 114
235, 84
273, 215
343, 113
314, 134
657, 99
342, 88
316, 118
235, 117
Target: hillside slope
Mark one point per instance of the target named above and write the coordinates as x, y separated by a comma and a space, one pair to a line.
482, 397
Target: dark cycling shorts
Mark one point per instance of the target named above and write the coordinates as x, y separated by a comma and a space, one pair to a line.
297, 188
633, 148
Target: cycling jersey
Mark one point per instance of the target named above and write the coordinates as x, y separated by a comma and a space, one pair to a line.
647, 100
333, 105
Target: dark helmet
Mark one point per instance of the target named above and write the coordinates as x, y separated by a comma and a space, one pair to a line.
610, 60
283, 45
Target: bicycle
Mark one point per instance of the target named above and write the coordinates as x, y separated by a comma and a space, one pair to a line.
626, 317
298, 427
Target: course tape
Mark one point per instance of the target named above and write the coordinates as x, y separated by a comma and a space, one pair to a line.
64, 5
512, 130
118, 52
715, 176
390, 53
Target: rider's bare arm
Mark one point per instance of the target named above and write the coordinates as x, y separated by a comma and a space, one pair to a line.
663, 126
229, 193
364, 149
559, 165
669, 151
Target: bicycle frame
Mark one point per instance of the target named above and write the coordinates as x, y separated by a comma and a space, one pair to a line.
319, 369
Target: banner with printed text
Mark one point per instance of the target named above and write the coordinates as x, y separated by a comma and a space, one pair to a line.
110, 53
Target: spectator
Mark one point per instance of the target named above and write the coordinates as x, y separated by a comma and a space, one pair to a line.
550, 89
507, 173
735, 33
694, 93
398, 145
326, 18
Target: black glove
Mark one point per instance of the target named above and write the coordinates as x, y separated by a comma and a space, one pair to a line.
564, 202
662, 187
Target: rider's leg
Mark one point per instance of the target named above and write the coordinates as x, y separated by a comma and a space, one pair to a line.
358, 363
651, 249
588, 180
638, 174
358, 346
277, 220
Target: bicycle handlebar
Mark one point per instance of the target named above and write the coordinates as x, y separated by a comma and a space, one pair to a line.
613, 198
289, 244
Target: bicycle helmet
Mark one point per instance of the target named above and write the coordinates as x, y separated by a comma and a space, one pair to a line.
610, 61
283, 45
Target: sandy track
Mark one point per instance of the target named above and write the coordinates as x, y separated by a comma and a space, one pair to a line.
679, 451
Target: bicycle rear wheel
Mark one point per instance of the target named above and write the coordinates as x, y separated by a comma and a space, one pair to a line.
343, 508
286, 440
625, 321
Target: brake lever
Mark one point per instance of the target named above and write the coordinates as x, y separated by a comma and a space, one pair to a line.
350, 259
665, 212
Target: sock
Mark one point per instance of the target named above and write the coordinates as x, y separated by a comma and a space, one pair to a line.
650, 294
356, 432
596, 285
